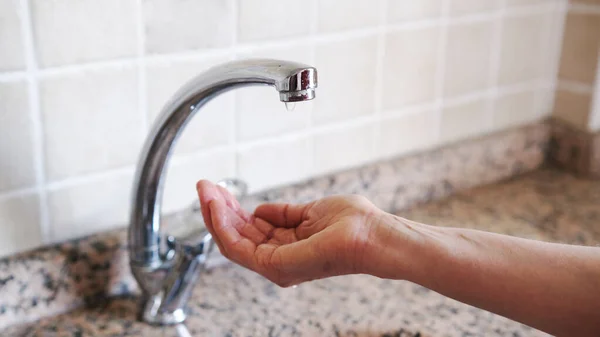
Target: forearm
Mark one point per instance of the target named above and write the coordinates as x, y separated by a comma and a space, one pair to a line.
553, 287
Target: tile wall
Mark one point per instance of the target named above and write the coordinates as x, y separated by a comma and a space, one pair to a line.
578, 92
82, 80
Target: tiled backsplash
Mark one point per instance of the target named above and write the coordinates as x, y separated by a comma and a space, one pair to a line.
82, 80
578, 95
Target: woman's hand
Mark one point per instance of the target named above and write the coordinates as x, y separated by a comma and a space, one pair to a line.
290, 244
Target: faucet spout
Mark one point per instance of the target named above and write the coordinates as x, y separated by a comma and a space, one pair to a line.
161, 266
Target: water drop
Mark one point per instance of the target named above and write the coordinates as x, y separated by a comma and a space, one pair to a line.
290, 106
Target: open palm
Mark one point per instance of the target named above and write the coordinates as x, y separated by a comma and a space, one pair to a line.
288, 243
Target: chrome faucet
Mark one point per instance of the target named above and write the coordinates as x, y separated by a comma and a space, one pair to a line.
166, 266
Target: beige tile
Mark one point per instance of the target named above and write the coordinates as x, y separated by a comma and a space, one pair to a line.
91, 121
183, 173
399, 11
11, 36
260, 113
573, 108
580, 48
19, 224
463, 121
410, 67
514, 109
342, 149
347, 71
89, 207
522, 42
274, 164
212, 126
407, 134
267, 19
73, 31
336, 15
468, 58
175, 26
16, 142
461, 7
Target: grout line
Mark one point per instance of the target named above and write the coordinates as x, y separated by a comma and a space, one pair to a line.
22, 192
141, 65
380, 57
584, 9
594, 119
314, 23
36, 120
13, 76
234, 104
441, 70
90, 177
575, 87
496, 62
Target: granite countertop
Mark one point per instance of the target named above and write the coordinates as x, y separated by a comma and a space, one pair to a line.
231, 301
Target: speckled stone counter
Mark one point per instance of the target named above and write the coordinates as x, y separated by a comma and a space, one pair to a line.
231, 301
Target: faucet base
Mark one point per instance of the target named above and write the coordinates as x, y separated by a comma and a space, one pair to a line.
153, 315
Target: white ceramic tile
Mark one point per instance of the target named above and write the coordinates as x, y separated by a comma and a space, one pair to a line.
266, 19
336, 15
16, 142
342, 149
407, 134
554, 22
90, 207
461, 7
468, 58
544, 101
11, 36
184, 173
402, 10
347, 71
19, 224
410, 67
91, 121
72, 31
212, 126
514, 109
274, 164
260, 113
175, 26
464, 121
522, 43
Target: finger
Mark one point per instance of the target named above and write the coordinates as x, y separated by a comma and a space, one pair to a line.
207, 192
283, 215
298, 262
235, 246
233, 203
263, 226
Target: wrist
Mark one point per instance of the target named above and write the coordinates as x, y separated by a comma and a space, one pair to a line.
402, 249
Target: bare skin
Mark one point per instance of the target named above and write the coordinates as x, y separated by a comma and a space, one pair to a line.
552, 287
